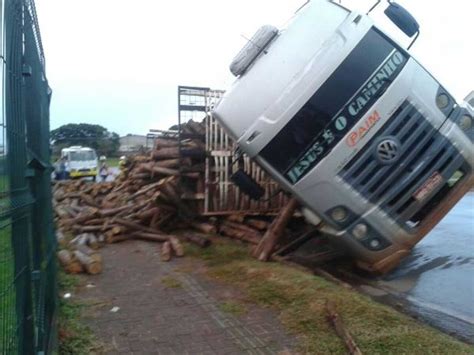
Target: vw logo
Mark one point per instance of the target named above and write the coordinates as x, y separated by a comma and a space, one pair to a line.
388, 150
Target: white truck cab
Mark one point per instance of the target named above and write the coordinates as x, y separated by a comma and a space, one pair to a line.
347, 121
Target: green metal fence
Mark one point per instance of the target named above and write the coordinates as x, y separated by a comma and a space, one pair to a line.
28, 300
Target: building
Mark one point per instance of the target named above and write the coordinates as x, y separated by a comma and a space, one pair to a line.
132, 143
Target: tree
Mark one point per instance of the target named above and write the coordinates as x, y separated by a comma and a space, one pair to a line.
86, 135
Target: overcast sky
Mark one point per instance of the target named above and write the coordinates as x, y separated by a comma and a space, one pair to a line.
118, 63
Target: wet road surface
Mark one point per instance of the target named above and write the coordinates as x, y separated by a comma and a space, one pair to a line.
437, 279
434, 284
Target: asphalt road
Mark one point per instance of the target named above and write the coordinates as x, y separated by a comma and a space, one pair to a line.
436, 282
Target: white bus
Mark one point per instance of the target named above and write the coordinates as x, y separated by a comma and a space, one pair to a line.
353, 126
80, 162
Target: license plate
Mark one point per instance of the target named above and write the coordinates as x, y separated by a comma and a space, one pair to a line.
428, 187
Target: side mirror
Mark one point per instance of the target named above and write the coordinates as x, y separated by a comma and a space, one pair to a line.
402, 19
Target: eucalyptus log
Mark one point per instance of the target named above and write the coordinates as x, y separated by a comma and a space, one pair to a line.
273, 234
166, 251
176, 246
153, 237
195, 238
90, 265
341, 329
258, 224
204, 227
93, 254
61, 238
70, 265
238, 234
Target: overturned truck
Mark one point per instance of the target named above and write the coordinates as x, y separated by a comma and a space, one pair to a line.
348, 122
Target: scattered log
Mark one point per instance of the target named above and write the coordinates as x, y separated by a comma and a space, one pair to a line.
204, 227
90, 265
267, 244
238, 234
199, 240
93, 254
341, 329
238, 218
61, 238
258, 224
154, 237
166, 251
70, 265
176, 246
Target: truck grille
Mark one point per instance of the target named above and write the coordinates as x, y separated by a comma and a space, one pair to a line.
423, 152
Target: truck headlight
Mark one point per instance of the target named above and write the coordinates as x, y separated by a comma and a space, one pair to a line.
339, 214
374, 243
360, 231
442, 101
465, 122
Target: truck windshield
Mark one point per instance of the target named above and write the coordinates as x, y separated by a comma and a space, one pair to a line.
82, 156
336, 106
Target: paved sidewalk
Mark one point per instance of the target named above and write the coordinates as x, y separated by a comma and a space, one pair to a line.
170, 308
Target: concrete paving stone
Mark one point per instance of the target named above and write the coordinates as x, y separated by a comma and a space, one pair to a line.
186, 320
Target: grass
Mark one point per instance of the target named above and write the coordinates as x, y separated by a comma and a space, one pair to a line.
300, 300
112, 162
234, 308
8, 317
75, 338
170, 282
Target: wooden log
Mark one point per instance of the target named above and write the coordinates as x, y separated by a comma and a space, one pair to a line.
93, 254
204, 227
257, 224
176, 246
200, 240
166, 153
246, 229
265, 248
80, 239
341, 329
88, 229
151, 187
238, 234
174, 197
164, 171
146, 213
61, 238
153, 237
91, 266
114, 211
117, 238
94, 222
166, 251
88, 200
92, 241
134, 226
237, 218
61, 212
70, 265
168, 163
165, 143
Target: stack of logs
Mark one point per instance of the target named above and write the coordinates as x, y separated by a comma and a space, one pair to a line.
149, 200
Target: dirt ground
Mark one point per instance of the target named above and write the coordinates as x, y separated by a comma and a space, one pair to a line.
140, 305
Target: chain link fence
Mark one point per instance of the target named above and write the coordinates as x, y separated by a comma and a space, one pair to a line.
28, 285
